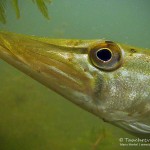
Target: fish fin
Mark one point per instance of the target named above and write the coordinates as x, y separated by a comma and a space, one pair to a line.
136, 127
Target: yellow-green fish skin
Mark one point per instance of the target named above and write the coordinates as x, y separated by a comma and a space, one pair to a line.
120, 96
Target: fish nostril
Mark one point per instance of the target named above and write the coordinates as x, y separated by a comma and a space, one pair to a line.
104, 54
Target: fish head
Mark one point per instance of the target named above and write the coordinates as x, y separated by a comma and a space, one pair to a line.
108, 79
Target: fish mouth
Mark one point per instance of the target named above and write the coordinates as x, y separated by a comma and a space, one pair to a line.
56, 66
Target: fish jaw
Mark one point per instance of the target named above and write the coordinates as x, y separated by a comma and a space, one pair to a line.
61, 65
65, 67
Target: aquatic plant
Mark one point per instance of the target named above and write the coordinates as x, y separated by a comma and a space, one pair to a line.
41, 4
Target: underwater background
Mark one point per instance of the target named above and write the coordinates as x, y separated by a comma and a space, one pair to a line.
32, 117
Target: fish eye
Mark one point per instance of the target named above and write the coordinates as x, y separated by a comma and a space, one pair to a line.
104, 54
107, 55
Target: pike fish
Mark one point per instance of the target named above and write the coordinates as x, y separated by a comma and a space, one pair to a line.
108, 79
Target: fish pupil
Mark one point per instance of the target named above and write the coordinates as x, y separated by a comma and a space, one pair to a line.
104, 54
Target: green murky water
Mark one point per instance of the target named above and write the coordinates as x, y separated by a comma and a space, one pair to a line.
33, 117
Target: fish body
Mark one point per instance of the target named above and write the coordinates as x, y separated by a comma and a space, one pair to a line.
109, 79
